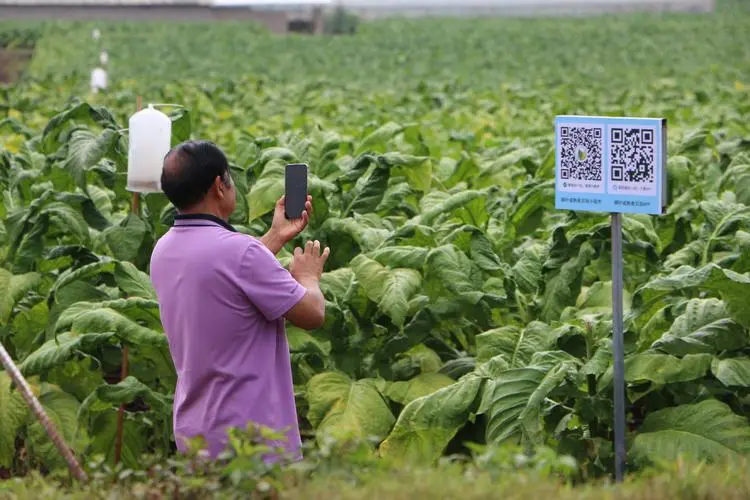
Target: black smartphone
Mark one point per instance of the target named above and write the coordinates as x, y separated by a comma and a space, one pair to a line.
295, 181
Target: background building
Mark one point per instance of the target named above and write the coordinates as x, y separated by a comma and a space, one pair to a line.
385, 8
283, 16
280, 16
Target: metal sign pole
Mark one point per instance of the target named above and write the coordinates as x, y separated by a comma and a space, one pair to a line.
41, 415
618, 346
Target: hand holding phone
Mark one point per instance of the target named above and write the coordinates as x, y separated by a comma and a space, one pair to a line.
283, 229
295, 190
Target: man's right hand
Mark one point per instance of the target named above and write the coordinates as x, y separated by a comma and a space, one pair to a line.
308, 264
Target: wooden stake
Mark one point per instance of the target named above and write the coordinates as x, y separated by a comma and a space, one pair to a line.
41, 415
135, 208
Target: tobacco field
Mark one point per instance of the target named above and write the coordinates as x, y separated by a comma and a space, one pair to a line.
461, 306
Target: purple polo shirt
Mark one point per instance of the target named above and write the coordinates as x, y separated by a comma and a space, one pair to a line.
222, 297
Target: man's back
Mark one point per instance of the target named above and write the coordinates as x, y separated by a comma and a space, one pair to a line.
222, 295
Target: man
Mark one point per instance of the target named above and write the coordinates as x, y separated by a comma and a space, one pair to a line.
224, 297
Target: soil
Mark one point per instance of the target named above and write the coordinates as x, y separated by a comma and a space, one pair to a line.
12, 63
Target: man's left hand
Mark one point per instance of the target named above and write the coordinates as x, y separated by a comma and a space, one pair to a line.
282, 229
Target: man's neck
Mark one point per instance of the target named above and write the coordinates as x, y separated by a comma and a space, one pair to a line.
203, 210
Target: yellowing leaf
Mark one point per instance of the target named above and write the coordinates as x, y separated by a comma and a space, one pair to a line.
391, 289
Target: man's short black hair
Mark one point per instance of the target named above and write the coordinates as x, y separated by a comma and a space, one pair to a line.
190, 168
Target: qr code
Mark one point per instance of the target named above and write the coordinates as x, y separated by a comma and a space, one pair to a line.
632, 154
581, 153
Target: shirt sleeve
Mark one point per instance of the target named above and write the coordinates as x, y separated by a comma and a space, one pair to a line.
269, 286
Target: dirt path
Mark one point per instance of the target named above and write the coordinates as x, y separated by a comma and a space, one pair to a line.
12, 63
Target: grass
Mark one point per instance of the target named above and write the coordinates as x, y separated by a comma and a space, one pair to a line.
684, 482
678, 480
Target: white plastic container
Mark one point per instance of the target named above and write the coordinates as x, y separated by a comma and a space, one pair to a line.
149, 140
98, 79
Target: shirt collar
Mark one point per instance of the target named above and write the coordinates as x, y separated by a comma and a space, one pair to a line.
186, 219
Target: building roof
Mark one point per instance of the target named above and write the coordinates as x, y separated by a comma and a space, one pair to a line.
391, 4
207, 3
270, 4
93, 3
251, 3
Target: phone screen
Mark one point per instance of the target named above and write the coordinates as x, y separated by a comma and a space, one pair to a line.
295, 189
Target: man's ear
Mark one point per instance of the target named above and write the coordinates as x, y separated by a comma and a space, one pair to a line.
219, 187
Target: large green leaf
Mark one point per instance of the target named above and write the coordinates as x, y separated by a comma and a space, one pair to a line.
417, 169
302, 342
517, 345
28, 324
482, 252
427, 424
708, 430
422, 357
528, 211
466, 167
733, 287
82, 319
531, 416
55, 352
704, 327
362, 230
405, 392
126, 391
377, 140
86, 272
601, 360
15, 126
395, 197
62, 409
723, 216
732, 372
401, 256
126, 238
134, 282
13, 414
456, 272
446, 206
68, 220
666, 369
134, 438
597, 299
391, 289
362, 413
134, 307
81, 112
13, 288
323, 390
266, 190
101, 198
279, 154
492, 368
346, 409
527, 271
738, 177
369, 191
561, 291
338, 283
513, 402
181, 126
85, 149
